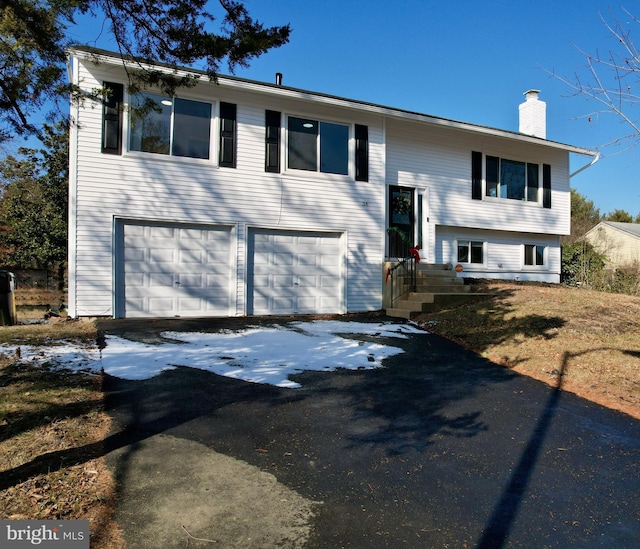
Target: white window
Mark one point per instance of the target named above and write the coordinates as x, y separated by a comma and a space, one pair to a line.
318, 146
512, 179
535, 255
470, 251
171, 126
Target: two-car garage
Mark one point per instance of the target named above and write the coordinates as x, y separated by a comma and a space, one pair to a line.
186, 270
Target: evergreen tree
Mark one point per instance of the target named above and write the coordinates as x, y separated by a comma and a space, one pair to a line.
584, 216
33, 210
621, 216
33, 45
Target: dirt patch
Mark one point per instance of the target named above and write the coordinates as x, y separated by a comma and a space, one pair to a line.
584, 341
204, 498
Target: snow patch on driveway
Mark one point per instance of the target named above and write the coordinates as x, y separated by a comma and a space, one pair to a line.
256, 354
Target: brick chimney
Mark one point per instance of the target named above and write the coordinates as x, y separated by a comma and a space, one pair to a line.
533, 115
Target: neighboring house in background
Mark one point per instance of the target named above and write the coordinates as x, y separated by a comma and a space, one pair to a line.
618, 242
248, 198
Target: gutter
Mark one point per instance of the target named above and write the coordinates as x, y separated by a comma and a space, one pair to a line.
595, 159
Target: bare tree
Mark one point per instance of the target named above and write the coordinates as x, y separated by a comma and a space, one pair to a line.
612, 79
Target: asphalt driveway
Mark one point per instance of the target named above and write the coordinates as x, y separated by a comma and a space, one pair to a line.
439, 448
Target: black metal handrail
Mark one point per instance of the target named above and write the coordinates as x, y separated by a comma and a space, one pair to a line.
403, 278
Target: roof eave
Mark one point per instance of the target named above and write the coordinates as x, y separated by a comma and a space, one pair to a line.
94, 54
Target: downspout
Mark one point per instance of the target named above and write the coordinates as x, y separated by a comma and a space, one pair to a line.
595, 159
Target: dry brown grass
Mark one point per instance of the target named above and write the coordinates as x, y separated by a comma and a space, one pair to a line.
52, 430
52, 423
587, 341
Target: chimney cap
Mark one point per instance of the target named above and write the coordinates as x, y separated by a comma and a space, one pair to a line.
531, 94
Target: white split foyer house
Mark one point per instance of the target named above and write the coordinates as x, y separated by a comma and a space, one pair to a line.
248, 198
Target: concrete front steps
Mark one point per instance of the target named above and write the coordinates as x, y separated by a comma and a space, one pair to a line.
437, 287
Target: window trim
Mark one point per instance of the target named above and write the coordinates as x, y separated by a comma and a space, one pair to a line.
535, 266
351, 148
500, 183
228, 136
214, 130
470, 241
272, 140
112, 118
479, 184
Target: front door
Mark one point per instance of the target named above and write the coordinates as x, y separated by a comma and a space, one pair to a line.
401, 221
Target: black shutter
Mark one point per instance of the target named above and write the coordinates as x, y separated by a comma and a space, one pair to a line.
476, 175
546, 186
272, 142
112, 118
228, 135
362, 153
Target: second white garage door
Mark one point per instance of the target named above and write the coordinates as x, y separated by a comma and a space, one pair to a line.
173, 270
295, 273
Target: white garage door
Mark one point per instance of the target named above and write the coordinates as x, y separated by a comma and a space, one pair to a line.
294, 273
173, 270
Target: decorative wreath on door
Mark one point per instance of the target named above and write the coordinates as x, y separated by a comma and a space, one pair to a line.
402, 203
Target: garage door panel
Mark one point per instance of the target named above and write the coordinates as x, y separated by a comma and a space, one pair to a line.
162, 255
282, 259
159, 280
158, 231
329, 282
134, 254
308, 259
294, 273
191, 281
190, 235
174, 270
160, 305
192, 256
280, 282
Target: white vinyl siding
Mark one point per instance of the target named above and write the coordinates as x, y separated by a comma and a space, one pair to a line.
503, 254
440, 159
431, 157
165, 189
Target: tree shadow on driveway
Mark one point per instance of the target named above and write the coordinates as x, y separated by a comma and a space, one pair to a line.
406, 451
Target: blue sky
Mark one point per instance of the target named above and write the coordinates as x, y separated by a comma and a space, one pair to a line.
461, 59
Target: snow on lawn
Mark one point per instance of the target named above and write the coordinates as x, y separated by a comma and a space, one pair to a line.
257, 354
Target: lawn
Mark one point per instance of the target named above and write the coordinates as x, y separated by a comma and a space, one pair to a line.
52, 428
584, 341
52, 422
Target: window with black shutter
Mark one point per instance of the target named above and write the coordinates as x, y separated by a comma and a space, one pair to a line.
228, 135
362, 153
272, 142
476, 175
112, 118
546, 186
510, 179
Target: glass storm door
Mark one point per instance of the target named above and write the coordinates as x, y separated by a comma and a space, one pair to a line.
401, 220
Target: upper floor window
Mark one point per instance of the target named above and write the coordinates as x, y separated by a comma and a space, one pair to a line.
534, 255
172, 126
470, 251
318, 146
512, 179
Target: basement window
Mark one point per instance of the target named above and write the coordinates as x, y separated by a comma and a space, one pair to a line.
534, 255
470, 251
